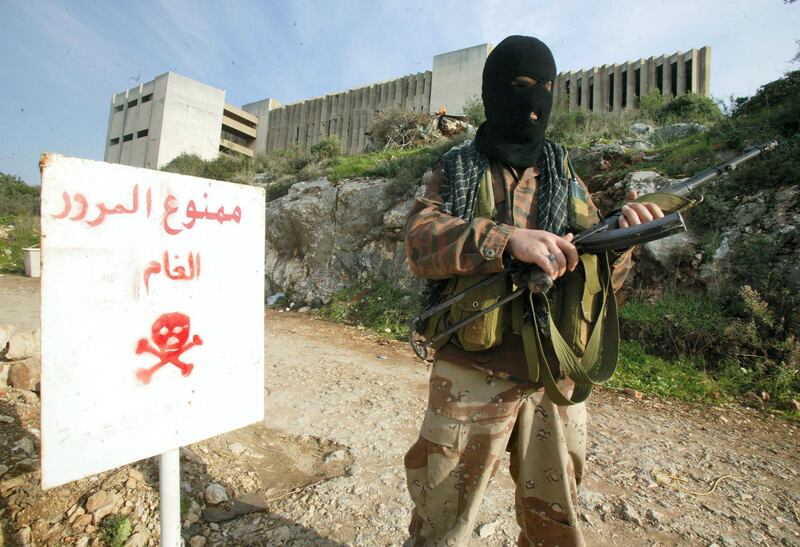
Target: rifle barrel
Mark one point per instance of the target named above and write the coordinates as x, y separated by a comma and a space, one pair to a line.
689, 185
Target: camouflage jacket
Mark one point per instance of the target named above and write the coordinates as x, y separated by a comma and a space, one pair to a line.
440, 246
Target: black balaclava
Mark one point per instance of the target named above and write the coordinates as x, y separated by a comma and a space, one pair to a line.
509, 134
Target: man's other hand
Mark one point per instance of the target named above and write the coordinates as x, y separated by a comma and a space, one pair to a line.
553, 254
638, 213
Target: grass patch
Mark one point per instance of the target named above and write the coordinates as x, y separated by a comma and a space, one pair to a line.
680, 379
379, 307
674, 325
738, 342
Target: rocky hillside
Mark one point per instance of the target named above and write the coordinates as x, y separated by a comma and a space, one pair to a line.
739, 261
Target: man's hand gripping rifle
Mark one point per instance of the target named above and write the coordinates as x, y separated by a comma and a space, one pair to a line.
603, 236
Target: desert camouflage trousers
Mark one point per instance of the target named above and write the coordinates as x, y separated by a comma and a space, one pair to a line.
471, 419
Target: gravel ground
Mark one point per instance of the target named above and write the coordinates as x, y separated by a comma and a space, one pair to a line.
324, 467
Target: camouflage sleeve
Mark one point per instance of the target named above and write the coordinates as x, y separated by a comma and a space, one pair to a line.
623, 263
439, 246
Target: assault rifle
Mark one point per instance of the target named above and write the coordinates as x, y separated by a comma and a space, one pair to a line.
601, 237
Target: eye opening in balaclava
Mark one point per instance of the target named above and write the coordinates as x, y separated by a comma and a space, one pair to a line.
510, 134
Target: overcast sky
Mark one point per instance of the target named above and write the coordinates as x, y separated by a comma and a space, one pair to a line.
61, 61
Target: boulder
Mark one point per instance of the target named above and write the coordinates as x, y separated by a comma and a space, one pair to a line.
641, 129
23, 345
6, 331
322, 238
215, 494
26, 374
675, 131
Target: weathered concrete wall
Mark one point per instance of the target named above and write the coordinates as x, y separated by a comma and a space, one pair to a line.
346, 115
457, 77
618, 86
153, 123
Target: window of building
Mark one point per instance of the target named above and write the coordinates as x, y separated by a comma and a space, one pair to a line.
674, 77
637, 88
147, 98
128, 137
660, 79
119, 108
114, 141
610, 92
625, 88
142, 133
688, 76
132, 103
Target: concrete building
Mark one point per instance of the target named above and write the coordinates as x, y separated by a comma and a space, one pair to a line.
151, 124
618, 86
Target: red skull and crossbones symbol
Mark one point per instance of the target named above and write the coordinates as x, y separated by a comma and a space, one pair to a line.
170, 333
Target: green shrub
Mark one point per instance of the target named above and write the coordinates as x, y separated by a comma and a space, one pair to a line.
377, 306
115, 530
581, 127
473, 111
650, 105
327, 148
187, 164
16, 197
674, 325
690, 108
21, 231
224, 167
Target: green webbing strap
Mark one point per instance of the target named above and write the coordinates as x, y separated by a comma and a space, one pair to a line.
599, 358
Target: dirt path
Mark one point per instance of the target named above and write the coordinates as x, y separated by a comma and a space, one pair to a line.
325, 466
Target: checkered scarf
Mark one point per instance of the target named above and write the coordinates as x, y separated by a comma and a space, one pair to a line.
465, 164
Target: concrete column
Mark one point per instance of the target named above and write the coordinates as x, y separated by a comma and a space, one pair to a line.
419, 99
371, 103
398, 92
605, 88
573, 90
630, 83
651, 75
585, 74
704, 72
427, 91
289, 133
348, 97
617, 106
666, 70
412, 92
319, 120
681, 83
310, 123
277, 144
302, 124
274, 128
556, 90
358, 110
597, 90
324, 115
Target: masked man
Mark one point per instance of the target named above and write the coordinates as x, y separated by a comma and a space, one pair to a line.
508, 196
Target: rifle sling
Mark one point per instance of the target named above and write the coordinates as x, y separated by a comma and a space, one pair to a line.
599, 359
